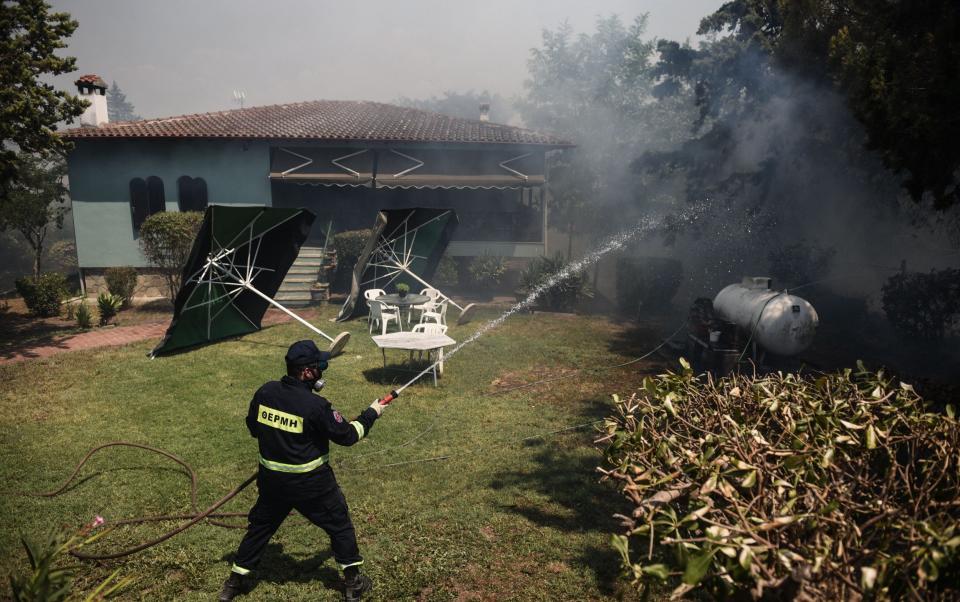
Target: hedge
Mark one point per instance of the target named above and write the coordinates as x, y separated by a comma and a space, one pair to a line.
830, 487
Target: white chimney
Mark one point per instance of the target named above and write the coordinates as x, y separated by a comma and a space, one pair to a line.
485, 112
94, 90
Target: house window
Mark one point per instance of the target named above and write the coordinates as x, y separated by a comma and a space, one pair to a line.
146, 198
192, 193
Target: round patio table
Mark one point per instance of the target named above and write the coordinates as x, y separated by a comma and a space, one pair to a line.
403, 303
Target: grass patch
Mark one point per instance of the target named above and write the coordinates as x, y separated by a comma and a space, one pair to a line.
502, 518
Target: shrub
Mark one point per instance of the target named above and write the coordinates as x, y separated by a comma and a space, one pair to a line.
166, 239
646, 283
108, 305
923, 306
84, 318
791, 487
403, 288
446, 274
43, 295
563, 294
487, 270
121, 282
349, 245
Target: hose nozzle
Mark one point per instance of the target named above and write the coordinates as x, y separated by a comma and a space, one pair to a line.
389, 397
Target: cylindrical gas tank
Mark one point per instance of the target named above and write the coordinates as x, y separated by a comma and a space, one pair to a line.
780, 323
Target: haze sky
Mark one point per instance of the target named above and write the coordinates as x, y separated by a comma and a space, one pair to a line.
183, 56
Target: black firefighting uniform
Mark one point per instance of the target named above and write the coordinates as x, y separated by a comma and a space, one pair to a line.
293, 427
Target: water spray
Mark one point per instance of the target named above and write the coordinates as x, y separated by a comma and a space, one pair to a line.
614, 243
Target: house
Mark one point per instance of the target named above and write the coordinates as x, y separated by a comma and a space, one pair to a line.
343, 160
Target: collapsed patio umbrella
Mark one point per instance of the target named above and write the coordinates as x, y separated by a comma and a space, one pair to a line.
238, 260
406, 245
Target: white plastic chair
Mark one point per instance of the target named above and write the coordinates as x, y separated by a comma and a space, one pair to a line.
437, 315
430, 305
372, 293
382, 314
431, 329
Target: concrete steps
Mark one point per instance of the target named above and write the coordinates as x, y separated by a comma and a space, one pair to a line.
295, 289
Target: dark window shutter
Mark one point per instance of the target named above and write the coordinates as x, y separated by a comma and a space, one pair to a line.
185, 192
155, 195
200, 188
192, 193
139, 203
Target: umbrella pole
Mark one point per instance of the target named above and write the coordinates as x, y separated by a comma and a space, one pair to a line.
250, 288
425, 283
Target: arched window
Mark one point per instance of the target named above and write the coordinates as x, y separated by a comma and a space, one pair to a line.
192, 193
146, 198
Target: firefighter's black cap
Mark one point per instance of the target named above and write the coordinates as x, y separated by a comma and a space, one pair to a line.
306, 353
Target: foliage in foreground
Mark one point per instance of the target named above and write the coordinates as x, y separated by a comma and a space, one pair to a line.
43, 295
166, 239
835, 487
49, 581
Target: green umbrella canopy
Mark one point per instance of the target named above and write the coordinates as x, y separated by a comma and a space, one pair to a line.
238, 260
405, 246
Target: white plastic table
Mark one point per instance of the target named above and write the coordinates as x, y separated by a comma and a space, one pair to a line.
415, 341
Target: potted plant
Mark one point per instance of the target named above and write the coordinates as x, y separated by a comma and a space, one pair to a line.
319, 292
403, 289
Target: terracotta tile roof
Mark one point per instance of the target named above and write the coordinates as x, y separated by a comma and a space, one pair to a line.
92, 80
332, 120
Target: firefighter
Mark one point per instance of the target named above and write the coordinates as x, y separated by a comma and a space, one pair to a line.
293, 428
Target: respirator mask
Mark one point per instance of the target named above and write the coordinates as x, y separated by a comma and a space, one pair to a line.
318, 383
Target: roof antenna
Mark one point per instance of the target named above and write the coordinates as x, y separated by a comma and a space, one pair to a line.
239, 96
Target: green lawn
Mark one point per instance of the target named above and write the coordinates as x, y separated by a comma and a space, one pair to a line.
501, 519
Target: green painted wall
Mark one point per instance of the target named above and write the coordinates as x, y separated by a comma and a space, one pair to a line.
100, 172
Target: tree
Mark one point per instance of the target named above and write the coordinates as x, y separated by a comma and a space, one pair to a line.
772, 150
596, 90
35, 202
30, 110
166, 239
118, 107
896, 63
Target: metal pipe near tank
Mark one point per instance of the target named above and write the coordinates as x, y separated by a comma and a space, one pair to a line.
779, 322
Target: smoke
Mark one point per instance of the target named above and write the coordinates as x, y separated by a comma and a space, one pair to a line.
774, 167
791, 172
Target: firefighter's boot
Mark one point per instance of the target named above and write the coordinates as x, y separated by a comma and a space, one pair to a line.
235, 585
355, 587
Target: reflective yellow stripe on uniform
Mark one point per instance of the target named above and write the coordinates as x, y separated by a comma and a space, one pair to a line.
343, 566
281, 467
239, 570
359, 428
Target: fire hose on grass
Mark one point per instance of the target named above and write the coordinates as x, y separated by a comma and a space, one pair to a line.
210, 512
